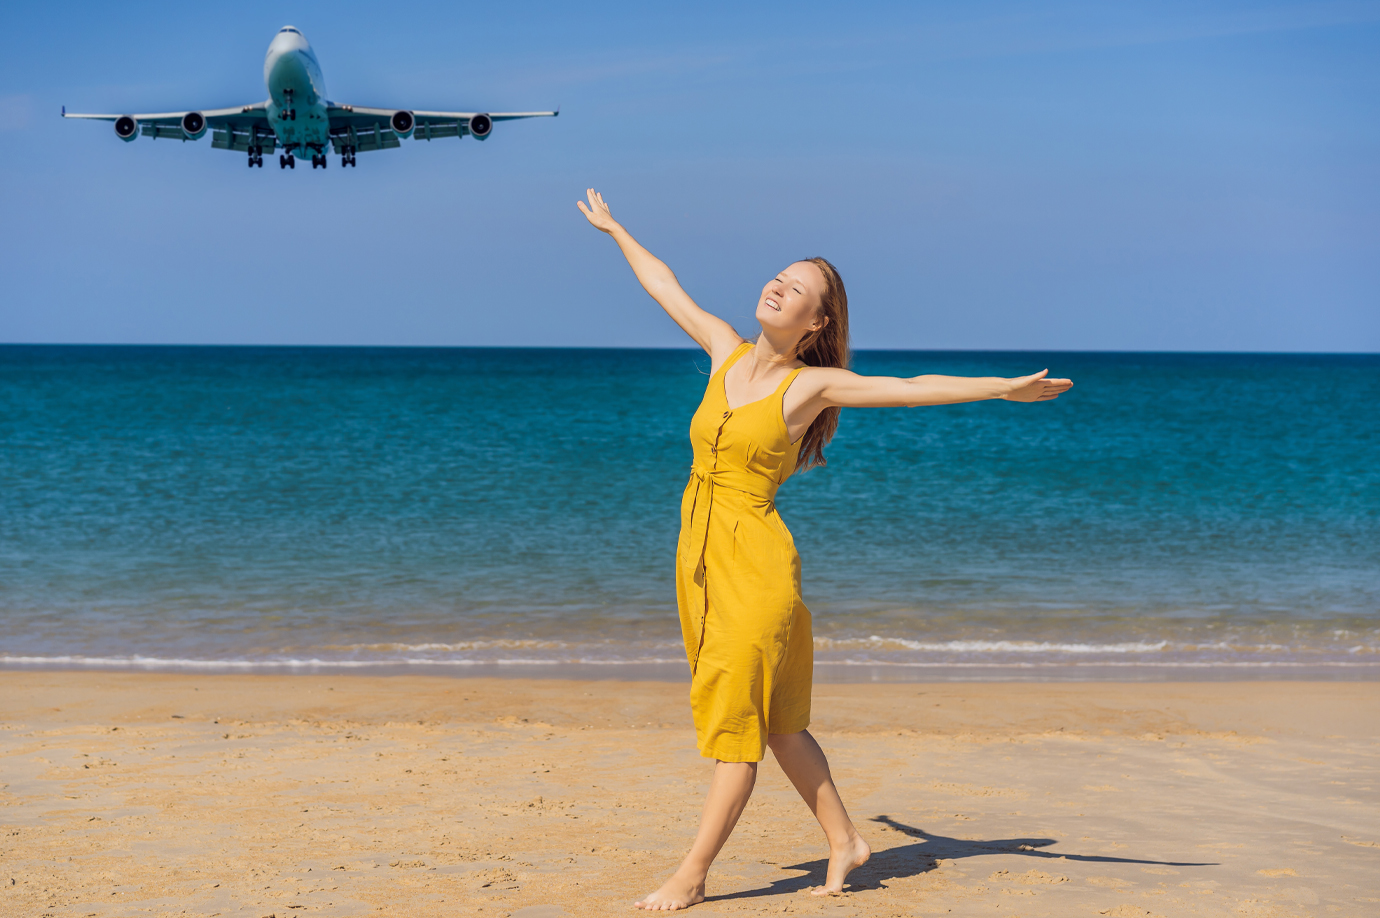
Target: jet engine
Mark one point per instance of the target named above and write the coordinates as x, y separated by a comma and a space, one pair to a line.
193, 125
126, 128
402, 123
481, 126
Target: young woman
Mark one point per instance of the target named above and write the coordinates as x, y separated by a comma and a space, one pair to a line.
771, 407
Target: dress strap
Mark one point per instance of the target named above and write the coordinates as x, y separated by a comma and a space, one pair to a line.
733, 358
786, 384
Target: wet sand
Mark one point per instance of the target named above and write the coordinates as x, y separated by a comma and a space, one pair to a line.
248, 795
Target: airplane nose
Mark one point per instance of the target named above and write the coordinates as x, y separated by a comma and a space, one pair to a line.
289, 38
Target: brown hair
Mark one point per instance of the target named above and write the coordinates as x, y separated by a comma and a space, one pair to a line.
824, 347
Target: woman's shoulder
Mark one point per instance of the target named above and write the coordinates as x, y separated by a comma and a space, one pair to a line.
725, 354
811, 380
726, 349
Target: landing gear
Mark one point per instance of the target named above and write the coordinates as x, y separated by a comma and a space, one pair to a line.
256, 157
319, 161
287, 162
347, 156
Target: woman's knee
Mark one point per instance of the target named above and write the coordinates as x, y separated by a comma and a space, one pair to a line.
775, 740
746, 768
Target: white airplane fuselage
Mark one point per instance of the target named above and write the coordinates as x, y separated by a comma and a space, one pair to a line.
296, 94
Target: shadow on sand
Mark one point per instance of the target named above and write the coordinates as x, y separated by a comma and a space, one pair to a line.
922, 856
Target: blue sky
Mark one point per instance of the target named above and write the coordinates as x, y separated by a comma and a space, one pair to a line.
1172, 176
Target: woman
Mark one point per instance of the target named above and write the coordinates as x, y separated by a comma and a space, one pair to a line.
771, 406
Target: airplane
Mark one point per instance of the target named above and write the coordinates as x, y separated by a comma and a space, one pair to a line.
299, 118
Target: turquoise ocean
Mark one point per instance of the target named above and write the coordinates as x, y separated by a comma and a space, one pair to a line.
463, 511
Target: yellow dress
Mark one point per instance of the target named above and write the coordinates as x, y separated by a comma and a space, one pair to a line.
747, 631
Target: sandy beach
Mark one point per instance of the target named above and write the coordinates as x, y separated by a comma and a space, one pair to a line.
153, 794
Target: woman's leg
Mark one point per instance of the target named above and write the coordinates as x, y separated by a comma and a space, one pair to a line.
728, 794
804, 763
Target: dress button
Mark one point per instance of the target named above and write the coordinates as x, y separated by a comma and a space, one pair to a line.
727, 413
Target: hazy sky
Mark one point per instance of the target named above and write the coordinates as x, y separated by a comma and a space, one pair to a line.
1172, 176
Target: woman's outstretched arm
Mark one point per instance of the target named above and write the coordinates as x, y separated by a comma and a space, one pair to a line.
710, 332
827, 387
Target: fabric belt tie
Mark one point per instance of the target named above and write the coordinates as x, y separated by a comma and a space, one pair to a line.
757, 485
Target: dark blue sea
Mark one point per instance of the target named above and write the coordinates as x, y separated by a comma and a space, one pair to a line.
1185, 516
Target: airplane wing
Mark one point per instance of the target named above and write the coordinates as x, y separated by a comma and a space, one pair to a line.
363, 129
236, 128
358, 128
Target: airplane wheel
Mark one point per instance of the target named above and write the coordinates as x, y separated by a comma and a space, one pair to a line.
282, 161
251, 162
292, 114
292, 162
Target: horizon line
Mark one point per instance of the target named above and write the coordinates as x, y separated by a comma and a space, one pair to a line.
691, 348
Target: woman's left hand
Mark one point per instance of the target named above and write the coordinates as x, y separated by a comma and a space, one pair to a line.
597, 212
1037, 388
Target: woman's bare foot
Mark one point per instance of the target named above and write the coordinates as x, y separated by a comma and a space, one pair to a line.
841, 863
676, 893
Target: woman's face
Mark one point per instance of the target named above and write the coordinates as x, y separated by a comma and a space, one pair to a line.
790, 302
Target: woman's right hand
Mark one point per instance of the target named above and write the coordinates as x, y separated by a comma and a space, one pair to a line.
1037, 387
597, 212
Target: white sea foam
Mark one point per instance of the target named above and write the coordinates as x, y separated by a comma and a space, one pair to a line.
1096, 664
501, 644
495, 644
140, 662
987, 646
240, 665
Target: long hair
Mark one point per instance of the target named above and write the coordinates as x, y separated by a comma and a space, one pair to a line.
825, 347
